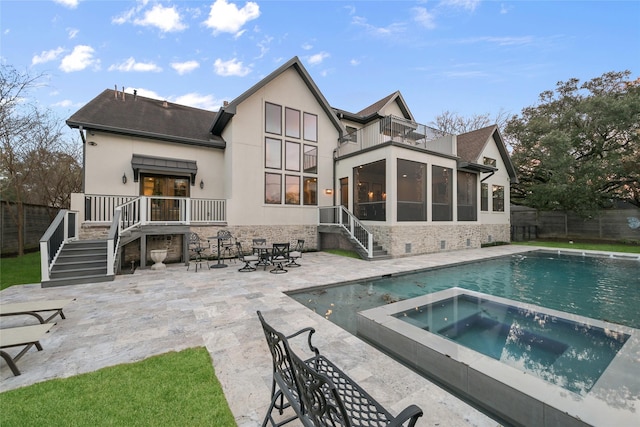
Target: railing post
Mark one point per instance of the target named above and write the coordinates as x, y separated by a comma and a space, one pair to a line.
44, 261
187, 203
370, 245
110, 257
143, 209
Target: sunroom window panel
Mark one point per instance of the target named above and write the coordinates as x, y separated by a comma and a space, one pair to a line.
370, 191
498, 198
467, 205
411, 193
441, 190
484, 197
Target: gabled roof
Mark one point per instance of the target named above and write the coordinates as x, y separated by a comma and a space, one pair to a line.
134, 115
471, 145
373, 110
227, 112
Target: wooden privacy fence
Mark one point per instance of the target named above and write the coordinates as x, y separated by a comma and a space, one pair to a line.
611, 224
36, 220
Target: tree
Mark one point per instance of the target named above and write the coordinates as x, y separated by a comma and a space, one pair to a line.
36, 163
454, 124
579, 148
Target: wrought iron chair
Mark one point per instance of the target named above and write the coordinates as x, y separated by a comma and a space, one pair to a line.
295, 254
247, 259
197, 249
259, 247
227, 245
279, 255
319, 392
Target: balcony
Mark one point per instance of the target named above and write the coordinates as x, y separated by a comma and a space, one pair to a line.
397, 130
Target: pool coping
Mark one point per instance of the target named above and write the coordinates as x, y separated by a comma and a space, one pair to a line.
510, 393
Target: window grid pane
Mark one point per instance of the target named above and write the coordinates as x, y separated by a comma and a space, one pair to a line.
273, 153
310, 127
310, 190
273, 118
292, 156
292, 190
273, 188
292, 123
310, 160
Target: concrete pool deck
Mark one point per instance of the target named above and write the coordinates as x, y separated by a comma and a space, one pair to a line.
152, 312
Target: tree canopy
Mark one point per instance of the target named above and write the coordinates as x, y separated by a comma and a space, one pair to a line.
578, 149
37, 164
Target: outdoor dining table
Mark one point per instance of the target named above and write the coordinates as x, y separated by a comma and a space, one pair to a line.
263, 252
218, 264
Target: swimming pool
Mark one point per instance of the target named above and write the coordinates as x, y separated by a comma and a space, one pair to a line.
599, 287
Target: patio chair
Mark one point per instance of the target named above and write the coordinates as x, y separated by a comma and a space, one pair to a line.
226, 245
247, 259
260, 249
197, 249
279, 255
295, 254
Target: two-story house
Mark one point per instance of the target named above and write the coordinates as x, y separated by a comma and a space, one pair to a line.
279, 162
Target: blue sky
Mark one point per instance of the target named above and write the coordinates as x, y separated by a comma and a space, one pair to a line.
463, 56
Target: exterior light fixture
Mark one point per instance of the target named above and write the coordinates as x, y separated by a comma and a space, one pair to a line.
328, 191
124, 178
201, 184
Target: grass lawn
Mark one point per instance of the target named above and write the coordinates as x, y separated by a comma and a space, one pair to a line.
20, 270
172, 389
608, 247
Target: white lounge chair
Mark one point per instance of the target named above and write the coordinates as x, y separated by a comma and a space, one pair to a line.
26, 336
33, 308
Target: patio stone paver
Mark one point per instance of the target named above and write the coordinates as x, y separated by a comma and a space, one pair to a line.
152, 312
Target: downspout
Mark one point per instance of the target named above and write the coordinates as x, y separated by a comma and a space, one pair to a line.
84, 156
333, 179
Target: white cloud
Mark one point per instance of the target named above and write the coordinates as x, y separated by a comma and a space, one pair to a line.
64, 103
80, 58
232, 67
387, 31
131, 65
354, 62
462, 4
167, 19
306, 46
46, 56
72, 32
205, 102
227, 18
71, 4
424, 18
146, 93
317, 58
500, 41
185, 67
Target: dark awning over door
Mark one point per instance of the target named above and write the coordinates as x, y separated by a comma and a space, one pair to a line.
163, 165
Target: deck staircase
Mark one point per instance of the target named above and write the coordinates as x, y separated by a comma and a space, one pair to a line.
379, 252
80, 261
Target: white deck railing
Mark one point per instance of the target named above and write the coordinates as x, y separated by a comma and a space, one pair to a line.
154, 210
339, 215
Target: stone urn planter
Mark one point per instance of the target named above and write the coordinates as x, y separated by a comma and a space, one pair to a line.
158, 256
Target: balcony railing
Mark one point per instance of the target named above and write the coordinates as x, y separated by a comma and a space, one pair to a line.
154, 210
397, 129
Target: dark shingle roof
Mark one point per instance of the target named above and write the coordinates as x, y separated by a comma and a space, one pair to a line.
146, 117
471, 144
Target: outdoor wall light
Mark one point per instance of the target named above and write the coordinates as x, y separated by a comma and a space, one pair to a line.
328, 191
92, 143
201, 184
124, 178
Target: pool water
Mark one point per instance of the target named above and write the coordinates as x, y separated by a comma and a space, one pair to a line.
601, 288
569, 354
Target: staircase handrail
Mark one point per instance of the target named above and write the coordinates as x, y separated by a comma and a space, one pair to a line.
113, 242
132, 215
339, 215
61, 230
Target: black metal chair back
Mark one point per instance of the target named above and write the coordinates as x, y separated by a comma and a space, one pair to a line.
279, 255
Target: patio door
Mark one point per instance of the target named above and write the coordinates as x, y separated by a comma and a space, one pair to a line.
164, 206
344, 198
